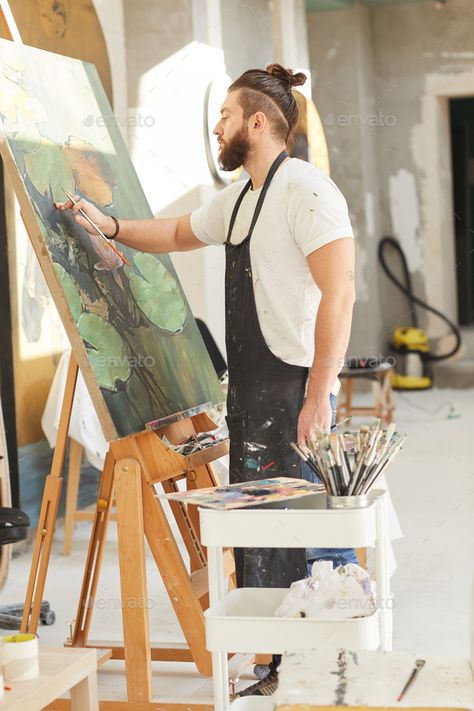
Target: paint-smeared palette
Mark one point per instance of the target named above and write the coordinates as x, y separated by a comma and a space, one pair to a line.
251, 493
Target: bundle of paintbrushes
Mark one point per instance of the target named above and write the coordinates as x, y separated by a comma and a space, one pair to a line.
349, 463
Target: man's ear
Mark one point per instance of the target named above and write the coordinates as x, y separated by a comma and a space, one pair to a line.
259, 122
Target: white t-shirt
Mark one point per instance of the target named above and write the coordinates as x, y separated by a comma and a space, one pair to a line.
303, 210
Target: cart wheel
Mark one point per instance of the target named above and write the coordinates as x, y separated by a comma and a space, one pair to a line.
49, 618
261, 670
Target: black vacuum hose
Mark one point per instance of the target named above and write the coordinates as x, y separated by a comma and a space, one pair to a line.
407, 289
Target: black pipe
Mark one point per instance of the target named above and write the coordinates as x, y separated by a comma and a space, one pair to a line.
407, 289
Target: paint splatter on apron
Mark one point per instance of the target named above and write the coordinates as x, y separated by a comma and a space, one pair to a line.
265, 398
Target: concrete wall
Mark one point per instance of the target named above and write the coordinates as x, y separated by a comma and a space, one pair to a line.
382, 78
247, 35
341, 57
423, 55
173, 51
114, 34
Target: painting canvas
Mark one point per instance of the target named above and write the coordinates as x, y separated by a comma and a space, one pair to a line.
130, 327
251, 493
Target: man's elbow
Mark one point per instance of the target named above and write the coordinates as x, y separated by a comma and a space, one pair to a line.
343, 294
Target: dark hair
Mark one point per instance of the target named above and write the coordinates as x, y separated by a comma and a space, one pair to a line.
269, 90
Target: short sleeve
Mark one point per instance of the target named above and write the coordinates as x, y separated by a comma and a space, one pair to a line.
208, 222
318, 212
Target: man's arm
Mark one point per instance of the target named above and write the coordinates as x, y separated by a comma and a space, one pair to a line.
332, 267
153, 235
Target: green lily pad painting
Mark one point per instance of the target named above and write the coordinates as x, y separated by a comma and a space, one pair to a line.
107, 353
48, 169
158, 294
70, 291
130, 327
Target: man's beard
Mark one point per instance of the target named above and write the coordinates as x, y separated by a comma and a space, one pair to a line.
236, 151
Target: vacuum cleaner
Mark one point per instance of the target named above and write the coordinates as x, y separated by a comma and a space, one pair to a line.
411, 344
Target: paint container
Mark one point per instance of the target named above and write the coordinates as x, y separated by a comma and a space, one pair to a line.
19, 657
347, 502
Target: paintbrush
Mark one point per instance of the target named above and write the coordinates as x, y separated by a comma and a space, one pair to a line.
346, 465
419, 664
328, 459
314, 468
369, 460
334, 447
305, 457
399, 444
366, 461
97, 229
383, 447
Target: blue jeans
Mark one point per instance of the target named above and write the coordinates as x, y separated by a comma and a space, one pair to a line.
339, 556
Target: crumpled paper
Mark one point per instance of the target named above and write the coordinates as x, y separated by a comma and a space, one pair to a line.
330, 593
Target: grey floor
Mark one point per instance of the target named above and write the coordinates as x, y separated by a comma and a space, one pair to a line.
432, 486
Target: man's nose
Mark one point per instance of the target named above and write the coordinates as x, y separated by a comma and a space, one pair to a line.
217, 131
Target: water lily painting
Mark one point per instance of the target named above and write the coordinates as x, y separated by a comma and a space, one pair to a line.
130, 325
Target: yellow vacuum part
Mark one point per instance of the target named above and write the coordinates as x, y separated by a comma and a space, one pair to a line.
408, 338
410, 382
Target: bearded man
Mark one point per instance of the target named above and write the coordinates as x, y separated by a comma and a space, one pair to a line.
288, 303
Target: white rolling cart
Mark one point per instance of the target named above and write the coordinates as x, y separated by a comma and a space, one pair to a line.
242, 621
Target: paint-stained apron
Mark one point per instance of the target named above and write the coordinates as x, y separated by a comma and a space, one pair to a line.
264, 400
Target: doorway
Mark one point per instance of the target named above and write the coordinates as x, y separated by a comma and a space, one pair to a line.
462, 157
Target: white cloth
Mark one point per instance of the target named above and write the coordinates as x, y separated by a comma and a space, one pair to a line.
303, 211
84, 426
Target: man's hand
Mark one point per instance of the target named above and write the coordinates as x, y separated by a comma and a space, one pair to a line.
315, 413
104, 222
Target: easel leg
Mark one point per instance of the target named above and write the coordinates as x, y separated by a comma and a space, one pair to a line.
94, 554
182, 514
131, 545
49, 511
202, 478
175, 576
74, 473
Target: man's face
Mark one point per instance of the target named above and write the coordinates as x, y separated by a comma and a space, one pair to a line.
232, 134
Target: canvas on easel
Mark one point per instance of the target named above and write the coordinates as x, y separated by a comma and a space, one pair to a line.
131, 328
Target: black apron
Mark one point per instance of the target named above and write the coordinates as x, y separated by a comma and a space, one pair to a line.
265, 397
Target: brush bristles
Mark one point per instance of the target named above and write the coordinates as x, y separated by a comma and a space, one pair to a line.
349, 463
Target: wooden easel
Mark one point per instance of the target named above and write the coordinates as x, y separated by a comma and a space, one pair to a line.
132, 467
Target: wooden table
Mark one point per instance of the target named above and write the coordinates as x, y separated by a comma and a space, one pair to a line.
312, 679
61, 670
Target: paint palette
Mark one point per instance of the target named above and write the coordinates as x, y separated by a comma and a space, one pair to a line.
253, 493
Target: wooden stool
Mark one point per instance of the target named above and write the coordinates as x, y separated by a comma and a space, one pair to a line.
381, 377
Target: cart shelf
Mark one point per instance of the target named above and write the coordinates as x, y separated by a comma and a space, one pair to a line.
244, 621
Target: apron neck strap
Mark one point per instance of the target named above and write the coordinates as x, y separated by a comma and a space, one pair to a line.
273, 169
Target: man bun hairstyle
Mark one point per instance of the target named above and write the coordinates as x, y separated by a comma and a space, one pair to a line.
270, 91
286, 75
